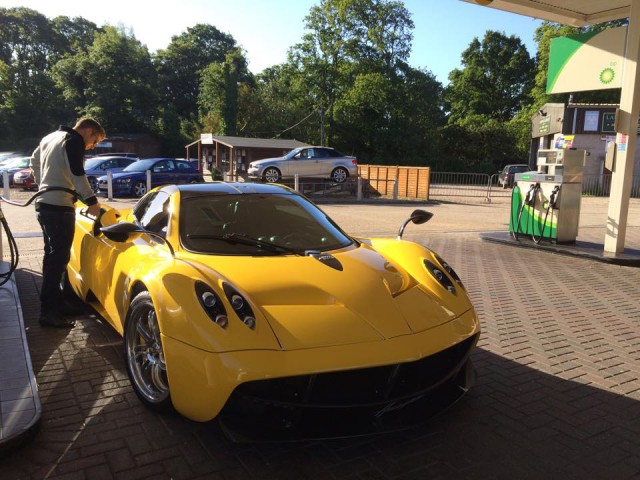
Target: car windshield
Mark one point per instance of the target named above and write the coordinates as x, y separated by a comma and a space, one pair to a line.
92, 163
292, 153
21, 162
256, 224
140, 166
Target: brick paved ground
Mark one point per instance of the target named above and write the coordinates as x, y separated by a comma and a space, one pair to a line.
557, 393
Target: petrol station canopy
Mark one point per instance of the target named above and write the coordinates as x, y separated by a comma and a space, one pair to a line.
577, 13
580, 13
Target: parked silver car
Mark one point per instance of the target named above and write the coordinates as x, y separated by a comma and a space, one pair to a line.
508, 173
315, 162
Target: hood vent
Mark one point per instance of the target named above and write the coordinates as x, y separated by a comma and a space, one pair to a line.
326, 258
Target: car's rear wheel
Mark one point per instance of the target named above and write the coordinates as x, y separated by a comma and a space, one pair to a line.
144, 355
271, 175
139, 188
339, 175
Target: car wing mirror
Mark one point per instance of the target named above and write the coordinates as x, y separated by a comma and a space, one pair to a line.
418, 217
121, 232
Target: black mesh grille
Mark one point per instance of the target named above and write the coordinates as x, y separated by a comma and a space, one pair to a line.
367, 386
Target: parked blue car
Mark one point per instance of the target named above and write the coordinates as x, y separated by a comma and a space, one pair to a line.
97, 166
132, 180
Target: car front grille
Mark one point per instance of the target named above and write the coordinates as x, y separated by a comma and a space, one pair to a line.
361, 387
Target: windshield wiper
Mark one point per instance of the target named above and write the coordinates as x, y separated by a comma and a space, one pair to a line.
245, 240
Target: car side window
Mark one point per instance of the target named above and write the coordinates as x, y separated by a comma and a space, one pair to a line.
163, 166
153, 213
303, 153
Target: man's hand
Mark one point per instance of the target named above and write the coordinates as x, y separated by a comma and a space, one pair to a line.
94, 210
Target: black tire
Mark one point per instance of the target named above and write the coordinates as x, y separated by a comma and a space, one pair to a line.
144, 356
271, 175
139, 188
339, 175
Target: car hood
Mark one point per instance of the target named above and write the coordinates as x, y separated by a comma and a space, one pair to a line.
100, 172
125, 175
264, 161
11, 169
358, 296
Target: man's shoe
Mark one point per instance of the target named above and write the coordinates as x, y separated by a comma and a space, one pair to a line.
73, 308
56, 321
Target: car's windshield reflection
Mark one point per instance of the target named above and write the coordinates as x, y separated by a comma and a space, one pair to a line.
252, 224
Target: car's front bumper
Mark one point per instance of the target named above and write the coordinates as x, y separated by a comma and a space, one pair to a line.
202, 382
118, 189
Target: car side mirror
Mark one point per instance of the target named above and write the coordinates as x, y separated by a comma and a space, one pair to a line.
418, 217
121, 232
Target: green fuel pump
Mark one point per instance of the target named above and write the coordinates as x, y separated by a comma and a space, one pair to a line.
545, 204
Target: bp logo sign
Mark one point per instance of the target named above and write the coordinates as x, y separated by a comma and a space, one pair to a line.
607, 75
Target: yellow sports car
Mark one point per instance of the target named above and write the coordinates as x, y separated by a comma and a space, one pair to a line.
241, 299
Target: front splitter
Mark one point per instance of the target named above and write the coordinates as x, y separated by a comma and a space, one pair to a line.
247, 421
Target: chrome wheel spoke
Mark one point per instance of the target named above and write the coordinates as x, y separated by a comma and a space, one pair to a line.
145, 358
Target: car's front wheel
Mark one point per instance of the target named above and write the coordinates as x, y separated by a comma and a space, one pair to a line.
339, 175
93, 181
271, 175
144, 355
139, 188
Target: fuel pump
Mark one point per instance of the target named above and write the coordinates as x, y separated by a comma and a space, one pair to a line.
550, 209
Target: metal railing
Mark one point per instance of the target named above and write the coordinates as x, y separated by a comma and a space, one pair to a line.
443, 185
600, 185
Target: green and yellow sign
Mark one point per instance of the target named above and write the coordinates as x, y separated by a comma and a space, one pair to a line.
589, 61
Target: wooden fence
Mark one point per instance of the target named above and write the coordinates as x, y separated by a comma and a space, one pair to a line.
396, 181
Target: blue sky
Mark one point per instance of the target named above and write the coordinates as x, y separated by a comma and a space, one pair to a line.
266, 29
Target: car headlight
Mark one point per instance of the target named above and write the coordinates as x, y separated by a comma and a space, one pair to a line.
240, 306
438, 273
449, 270
212, 304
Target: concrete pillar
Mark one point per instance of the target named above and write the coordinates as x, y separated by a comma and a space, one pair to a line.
627, 126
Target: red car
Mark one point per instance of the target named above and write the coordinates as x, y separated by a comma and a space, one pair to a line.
24, 178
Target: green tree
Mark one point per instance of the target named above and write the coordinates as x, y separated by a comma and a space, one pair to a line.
114, 81
496, 79
180, 65
219, 93
352, 67
74, 35
28, 46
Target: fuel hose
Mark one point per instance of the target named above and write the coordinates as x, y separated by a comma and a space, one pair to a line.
14, 255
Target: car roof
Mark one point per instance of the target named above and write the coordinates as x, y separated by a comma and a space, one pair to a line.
228, 188
109, 157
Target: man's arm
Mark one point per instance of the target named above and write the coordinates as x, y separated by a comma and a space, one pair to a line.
75, 154
34, 164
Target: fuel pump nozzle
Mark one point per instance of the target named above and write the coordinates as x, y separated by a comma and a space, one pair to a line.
551, 204
528, 200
